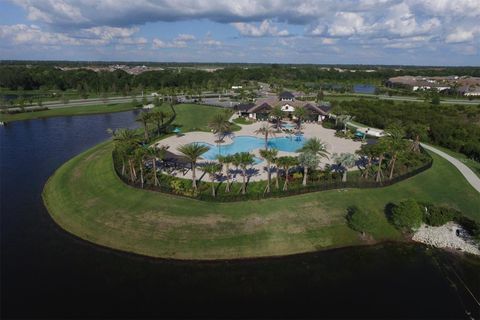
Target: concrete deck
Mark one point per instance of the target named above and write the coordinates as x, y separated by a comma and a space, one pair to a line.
259, 172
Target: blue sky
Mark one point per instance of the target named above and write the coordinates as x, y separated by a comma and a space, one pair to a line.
426, 32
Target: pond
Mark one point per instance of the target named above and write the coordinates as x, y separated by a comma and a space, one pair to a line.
46, 272
364, 88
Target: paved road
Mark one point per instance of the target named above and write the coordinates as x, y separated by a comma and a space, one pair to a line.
471, 177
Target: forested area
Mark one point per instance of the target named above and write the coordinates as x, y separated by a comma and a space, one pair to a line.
48, 77
452, 126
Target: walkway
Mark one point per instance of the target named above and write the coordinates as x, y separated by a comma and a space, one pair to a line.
471, 177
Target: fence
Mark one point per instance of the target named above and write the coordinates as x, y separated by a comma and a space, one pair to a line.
355, 182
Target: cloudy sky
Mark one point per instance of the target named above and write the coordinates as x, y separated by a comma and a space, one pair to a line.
420, 32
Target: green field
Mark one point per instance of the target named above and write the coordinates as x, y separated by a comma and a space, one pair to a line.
69, 111
194, 117
86, 198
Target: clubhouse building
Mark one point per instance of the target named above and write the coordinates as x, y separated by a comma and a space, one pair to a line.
261, 109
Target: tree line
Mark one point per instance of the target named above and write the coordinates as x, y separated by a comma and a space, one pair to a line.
452, 126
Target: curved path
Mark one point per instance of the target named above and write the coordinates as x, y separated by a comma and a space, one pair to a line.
471, 177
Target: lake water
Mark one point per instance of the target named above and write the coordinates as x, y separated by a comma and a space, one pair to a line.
364, 88
46, 272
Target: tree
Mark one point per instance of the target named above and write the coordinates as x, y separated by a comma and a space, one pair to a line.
153, 153
361, 221
104, 97
211, 168
286, 163
124, 140
344, 119
64, 99
265, 130
145, 118
269, 155
344, 161
378, 150
407, 215
244, 159
140, 154
277, 113
367, 153
159, 117
226, 161
220, 126
308, 160
300, 113
416, 132
319, 97
396, 145
192, 152
144, 100
316, 147
435, 100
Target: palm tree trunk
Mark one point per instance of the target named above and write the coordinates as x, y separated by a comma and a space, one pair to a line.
244, 183
154, 167
123, 167
392, 166
269, 177
285, 184
344, 176
276, 179
266, 141
141, 173
213, 185
194, 178
379, 172
227, 187
305, 173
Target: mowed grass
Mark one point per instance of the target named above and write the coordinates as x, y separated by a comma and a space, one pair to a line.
194, 117
86, 198
69, 111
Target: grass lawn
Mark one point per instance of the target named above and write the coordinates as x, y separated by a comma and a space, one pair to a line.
472, 164
72, 111
194, 117
86, 198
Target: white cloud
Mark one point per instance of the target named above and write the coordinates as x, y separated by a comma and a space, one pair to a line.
347, 24
266, 28
462, 35
185, 37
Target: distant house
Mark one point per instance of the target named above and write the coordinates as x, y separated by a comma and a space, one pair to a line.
242, 108
469, 91
288, 104
236, 87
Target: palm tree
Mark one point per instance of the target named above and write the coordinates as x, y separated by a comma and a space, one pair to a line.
140, 154
154, 153
269, 155
265, 130
345, 161
277, 113
226, 161
378, 150
244, 159
124, 141
316, 147
396, 145
300, 113
344, 119
367, 151
211, 168
286, 163
145, 118
219, 126
192, 152
159, 117
307, 160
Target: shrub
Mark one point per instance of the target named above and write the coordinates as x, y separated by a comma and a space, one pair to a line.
438, 216
407, 215
361, 221
471, 226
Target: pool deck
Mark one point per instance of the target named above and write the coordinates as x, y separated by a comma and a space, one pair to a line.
259, 172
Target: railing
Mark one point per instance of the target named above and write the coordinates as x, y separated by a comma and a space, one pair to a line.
324, 185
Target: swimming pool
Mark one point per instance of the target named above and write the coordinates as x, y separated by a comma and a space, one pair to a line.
249, 143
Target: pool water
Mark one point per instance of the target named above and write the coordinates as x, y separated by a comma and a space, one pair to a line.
249, 143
